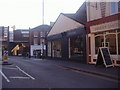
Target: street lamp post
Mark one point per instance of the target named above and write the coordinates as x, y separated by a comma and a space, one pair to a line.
43, 12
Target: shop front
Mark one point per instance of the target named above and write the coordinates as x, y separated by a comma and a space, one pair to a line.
104, 32
35, 50
69, 45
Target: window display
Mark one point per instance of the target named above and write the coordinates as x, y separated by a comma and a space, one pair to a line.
56, 48
107, 39
111, 40
76, 46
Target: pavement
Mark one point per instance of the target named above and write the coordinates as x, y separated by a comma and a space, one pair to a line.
100, 70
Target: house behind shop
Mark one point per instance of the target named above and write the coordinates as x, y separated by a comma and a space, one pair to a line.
38, 40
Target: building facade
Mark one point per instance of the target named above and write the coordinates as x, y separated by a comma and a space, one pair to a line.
38, 40
98, 9
4, 37
103, 30
69, 45
66, 39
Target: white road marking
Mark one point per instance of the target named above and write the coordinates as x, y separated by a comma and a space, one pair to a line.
25, 73
18, 77
4, 76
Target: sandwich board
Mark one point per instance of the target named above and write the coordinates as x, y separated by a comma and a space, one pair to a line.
104, 57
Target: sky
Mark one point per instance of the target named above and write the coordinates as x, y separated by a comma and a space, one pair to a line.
28, 13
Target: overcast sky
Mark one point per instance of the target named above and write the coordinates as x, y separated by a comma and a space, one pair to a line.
28, 13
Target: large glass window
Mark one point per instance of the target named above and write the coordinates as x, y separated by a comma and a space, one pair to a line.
56, 48
76, 46
99, 42
107, 39
111, 43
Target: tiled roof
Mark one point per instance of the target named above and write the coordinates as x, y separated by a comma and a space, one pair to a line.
42, 27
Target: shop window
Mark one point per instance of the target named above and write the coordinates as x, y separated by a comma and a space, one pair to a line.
119, 43
111, 43
56, 48
99, 42
76, 47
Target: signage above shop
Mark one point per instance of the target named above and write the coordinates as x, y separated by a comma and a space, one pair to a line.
105, 26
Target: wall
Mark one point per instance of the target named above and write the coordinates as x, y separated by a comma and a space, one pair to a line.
97, 10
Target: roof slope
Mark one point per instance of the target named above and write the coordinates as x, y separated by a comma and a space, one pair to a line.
63, 24
41, 27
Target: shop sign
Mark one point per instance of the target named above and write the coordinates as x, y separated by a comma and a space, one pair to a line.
105, 26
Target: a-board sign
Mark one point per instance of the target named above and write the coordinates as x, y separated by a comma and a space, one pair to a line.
104, 57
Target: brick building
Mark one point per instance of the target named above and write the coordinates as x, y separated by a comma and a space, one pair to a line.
4, 37
38, 40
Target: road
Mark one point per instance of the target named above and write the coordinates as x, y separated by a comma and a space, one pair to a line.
40, 73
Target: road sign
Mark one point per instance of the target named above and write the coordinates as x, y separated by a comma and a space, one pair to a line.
5, 56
